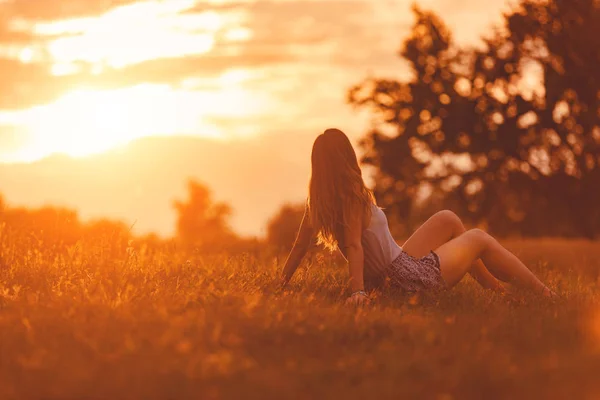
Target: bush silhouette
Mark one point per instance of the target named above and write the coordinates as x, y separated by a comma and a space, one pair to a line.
201, 222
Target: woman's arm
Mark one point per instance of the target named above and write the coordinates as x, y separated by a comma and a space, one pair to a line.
356, 256
301, 245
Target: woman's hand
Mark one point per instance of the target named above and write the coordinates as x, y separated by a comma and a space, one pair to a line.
359, 298
301, 245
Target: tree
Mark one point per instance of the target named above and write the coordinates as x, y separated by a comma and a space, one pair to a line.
282, 228
202, 223
465, 131
561, 38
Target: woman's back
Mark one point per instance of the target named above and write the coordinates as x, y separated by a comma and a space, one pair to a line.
380, 248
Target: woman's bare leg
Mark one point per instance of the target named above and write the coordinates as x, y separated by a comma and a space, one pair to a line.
439, 229
458, 255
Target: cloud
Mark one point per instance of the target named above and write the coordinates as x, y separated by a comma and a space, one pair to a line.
51, 10
203, 6
174, 71
28, 85
41, 79
10, 36
25, 85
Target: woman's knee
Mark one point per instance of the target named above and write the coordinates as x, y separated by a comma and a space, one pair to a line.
479, 237
449, 218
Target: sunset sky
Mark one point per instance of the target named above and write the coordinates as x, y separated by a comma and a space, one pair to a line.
83, 76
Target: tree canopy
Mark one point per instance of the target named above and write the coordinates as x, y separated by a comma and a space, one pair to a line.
507, 135
201, 222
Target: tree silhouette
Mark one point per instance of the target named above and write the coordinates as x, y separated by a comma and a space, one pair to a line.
466, 132
283, 227
202, 223
561, 38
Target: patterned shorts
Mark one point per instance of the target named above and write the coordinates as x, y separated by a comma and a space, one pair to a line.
416, 274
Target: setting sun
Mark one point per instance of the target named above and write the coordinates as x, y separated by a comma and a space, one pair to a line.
98, 112
85, 122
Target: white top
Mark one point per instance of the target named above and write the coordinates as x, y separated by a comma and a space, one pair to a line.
379, 246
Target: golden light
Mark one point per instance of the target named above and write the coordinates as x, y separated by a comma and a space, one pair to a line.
238, 34
26, 55
62, 69
85, 122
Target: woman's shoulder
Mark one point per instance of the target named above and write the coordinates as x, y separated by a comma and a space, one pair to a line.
375, 208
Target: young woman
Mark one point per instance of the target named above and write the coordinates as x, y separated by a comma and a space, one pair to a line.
342, 213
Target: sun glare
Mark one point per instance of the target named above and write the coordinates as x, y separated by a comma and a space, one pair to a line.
85, 122
88, 120
26, 55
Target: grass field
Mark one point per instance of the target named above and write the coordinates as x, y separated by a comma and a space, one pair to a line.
82, 323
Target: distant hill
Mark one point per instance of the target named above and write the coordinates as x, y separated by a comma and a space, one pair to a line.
138, 182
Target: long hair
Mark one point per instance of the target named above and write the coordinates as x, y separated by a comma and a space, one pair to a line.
336, 187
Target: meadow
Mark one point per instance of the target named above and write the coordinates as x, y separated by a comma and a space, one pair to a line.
99, 321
